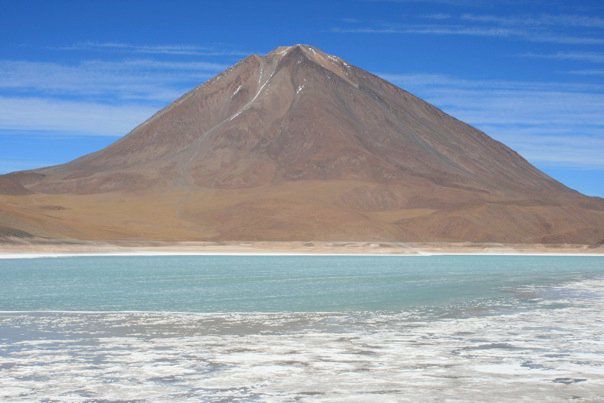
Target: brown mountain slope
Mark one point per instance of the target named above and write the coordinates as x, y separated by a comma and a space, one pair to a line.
300, 145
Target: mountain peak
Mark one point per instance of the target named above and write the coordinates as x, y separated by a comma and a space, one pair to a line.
296, 54
298, 46
302, 50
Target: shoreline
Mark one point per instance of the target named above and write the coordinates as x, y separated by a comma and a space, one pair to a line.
21, 249
16, 256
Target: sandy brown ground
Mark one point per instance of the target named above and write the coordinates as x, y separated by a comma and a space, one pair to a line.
43, 247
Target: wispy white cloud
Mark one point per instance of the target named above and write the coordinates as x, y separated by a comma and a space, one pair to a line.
547, 122
97, 97
427, 81
169, 49
478, 31
61, 116
547, 28
573, 150
437, 16
592, 57
568, 20
590, 72
141, 79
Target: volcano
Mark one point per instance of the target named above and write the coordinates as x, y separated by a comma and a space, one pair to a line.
300, 145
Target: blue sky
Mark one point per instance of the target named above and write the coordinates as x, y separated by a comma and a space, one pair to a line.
76, 75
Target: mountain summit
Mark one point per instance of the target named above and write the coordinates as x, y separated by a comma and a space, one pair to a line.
300, 145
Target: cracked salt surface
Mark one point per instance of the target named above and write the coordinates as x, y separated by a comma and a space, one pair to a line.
548, 347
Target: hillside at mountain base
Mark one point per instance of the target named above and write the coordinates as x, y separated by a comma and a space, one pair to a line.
299, 145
